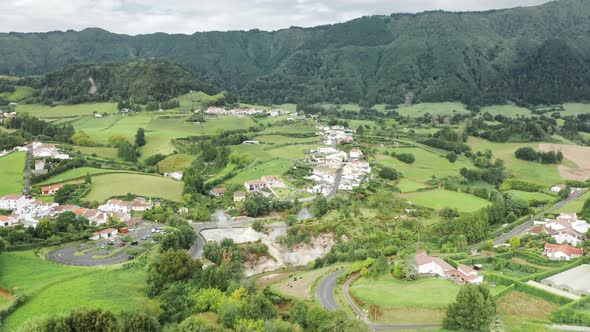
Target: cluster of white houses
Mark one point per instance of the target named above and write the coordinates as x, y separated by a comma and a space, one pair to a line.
565, 229
29, 211
245, 111
329, 162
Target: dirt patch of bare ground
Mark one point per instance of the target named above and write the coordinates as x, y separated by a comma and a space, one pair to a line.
579, 155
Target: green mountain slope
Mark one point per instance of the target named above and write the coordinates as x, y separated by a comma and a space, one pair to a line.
142, 80
431, 56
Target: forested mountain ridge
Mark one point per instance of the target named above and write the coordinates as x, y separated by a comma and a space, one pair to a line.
144, 80
533, 55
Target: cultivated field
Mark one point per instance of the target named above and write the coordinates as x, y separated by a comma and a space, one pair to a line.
530, 171
65, 111
175, 162
406, 185
13, 169
53, 289
426, 166
105, 186
579, 155
102, 152
78, 173
432, 109
528, 196
406, 302
438, 199
511, 111
517, 307
276, 167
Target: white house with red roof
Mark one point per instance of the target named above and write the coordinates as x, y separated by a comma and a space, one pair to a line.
566, 228
436, 266
6, 221
561, 251
14, 202
51, 190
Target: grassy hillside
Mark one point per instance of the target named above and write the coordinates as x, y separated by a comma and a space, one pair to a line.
11, 177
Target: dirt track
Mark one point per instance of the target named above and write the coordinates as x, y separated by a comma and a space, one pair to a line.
579, 155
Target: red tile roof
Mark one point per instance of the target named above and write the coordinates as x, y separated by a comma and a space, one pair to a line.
564, 248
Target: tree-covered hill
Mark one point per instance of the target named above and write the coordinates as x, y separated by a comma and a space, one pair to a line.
535, 54
142, 80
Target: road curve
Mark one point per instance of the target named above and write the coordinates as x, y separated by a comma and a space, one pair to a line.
325, 291
325, 294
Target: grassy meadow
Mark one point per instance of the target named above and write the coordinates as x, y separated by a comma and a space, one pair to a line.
427, 164
78, 173
276, 167
66, 111
54, 289
440, 198
526, 170
576, 205
511, 111
406, 302
175, 162
108, 185
20, 93
13, 169
417, 110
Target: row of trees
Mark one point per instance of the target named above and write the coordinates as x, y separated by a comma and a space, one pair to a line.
530, 154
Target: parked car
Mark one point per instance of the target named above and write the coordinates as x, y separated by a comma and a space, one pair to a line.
121, 244
153, 230
134, 243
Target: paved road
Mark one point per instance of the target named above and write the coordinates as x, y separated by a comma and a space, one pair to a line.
27, 179
337, 180
325, 291
325, 294
524, 227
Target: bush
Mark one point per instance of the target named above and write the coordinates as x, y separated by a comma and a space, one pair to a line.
389, 174
407, 158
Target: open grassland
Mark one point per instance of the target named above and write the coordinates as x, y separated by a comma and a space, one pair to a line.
275, 167
426, 166
438, 199
299, 128
526, 170
432, 109
511, 111
54, 289
517, 307
531, 196
406, 185
279, 139
406, 302
20, 93
64, 111
291, 152
11, 176
575, 109
175, 162
160, 129
576, 205
102, 152
105, 186
79, 173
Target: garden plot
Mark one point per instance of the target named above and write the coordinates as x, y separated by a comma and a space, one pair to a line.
576, 154
574, 280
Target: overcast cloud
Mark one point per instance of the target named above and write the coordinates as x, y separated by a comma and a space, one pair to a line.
188, 16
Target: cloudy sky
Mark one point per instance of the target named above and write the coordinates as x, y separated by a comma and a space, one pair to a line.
188, 16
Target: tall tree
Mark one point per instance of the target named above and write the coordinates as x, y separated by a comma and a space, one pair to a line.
140, 137
473, 310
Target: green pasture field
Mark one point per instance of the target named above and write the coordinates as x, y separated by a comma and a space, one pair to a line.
291, 152
276, 167
77, 173
279, 139
575, 109
407, 185
427, 164
446, 108
342, 107
159, 129
354, 124
102, 152
407, 302
106, 186
518, 307
20, 93
531, 196
297, 128
511, 111
438, 199
576, 205
175, 162
526, 170
54, 289
13, 170
64, 111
